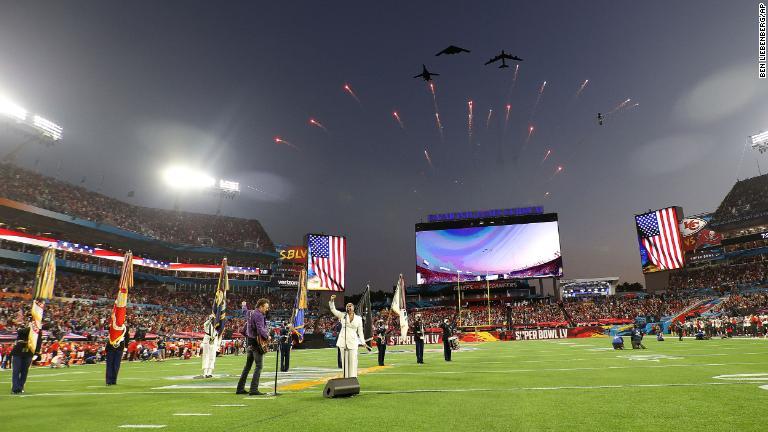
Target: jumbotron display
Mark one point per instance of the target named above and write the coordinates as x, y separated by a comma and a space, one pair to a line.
494, 248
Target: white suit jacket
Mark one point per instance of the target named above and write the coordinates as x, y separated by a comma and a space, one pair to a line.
351, 333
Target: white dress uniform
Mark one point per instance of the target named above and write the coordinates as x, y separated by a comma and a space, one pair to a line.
209, 345
351, 336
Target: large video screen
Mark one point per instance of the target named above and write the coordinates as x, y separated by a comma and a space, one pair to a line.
497, 248
660, 239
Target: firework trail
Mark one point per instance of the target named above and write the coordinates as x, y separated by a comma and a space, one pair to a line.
514, 79
538, 99
488, 120
619, 106
316, 123
398, 120
581, 89
506, 117
439, 124
632, 106
352, 93
546, 194
431, 86
279, 140
530, 133
514, 82
546, 156
429, 159
558, 170
470, 116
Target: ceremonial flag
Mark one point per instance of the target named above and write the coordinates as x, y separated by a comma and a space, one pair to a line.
326, 259
398, 306
220, 301
659, 234
117, 328
43, 290
300, 307
363, 308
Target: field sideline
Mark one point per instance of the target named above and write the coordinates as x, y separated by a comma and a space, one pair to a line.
573, 384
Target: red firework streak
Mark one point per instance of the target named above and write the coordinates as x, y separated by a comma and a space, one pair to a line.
470, 116
506, 117
351, 92
398, 119
117, 329
431, 87
549, 152
530, 133
619, 106
316, 123
538, 98
581, 89
558, 170
279, 140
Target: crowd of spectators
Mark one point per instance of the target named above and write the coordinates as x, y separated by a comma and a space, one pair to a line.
747, 199
177, 227
720, 277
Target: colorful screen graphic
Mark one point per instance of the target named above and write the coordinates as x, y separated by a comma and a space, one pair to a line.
493, 249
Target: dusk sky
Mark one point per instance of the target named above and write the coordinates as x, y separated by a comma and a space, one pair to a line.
141, 85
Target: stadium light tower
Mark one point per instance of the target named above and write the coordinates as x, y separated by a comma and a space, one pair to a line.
32, 127
760, 141
179, 177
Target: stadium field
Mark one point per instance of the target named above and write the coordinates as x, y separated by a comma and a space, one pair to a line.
569, 384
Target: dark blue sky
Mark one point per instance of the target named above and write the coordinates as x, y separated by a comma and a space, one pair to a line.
140, 85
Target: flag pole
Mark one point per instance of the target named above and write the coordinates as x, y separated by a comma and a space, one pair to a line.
488, 291
458, 290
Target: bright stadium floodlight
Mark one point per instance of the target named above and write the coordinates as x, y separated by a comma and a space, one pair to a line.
10, 109
760, 141
48, 128
229, 186
185, 178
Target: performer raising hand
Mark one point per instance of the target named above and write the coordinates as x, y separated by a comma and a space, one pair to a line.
350, 337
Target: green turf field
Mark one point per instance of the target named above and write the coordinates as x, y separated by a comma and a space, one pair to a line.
573, 384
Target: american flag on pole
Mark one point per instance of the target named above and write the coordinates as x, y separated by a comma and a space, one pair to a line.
659, 234
326, 259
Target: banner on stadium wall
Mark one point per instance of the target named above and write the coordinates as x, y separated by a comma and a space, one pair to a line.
429, 338
696, 233
559, 333
708, 255
297, 254
21, 237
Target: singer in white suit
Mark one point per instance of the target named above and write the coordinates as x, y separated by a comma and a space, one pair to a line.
351, 336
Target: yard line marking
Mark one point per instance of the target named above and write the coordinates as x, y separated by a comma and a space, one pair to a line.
192, 414
563, 369
597, 387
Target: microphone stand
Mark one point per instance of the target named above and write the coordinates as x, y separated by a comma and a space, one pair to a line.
277, 359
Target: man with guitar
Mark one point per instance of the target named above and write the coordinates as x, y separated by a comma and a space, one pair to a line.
257, 345
350, 337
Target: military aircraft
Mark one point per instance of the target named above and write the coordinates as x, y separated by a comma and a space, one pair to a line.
600, 118
452, 49
503, 57
425, 74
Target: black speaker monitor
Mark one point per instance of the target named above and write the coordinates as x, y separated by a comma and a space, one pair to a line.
341, 387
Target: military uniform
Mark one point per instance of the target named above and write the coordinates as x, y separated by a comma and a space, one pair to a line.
418, 336
447, 333
22, 359
285, 349
114, 357
381, 342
